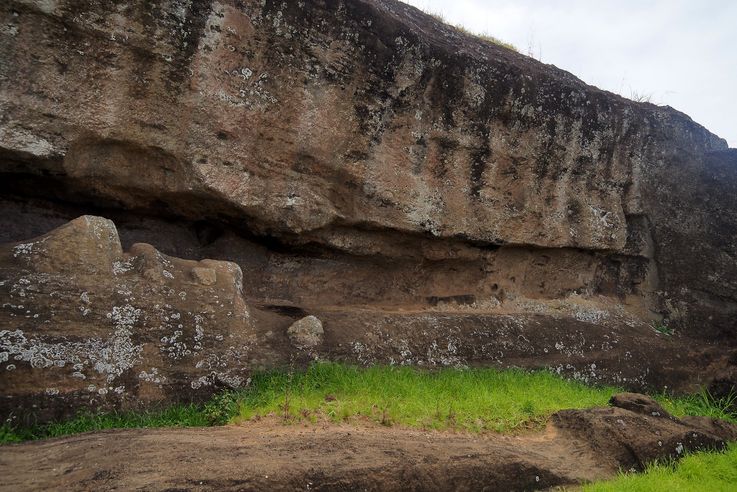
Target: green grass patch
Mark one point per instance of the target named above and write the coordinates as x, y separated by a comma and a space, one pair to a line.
712, 472
217, 411
701, 404
474, 400
471, 399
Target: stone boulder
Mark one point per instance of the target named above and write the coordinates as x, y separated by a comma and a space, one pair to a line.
85, 325
306, 333
630, 440
635, 402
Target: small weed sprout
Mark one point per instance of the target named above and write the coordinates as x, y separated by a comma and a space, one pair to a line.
664, 329
221, 408
452, 421
288, 394
385, 419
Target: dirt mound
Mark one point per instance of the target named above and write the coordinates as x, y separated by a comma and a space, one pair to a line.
576, 447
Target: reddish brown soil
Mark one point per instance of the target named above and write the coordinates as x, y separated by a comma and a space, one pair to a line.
278, 457
577, 446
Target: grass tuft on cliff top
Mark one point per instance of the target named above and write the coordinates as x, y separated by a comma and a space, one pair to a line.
484, 36
474, 400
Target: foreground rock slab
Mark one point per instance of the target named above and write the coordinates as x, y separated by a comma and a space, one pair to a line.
86, 325
576, 447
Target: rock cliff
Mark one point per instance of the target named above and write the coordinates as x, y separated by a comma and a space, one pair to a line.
432, 198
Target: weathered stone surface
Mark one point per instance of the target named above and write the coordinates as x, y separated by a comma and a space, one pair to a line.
204, 276
629, 440
86, 325
306, 333
434, 198
383, 118
638, 403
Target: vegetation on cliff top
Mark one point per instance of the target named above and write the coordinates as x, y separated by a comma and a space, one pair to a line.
485, 36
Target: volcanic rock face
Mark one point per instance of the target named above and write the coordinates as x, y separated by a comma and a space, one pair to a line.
89, 325
433, 198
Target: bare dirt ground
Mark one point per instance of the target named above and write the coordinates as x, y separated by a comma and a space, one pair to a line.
576, 447
273, 456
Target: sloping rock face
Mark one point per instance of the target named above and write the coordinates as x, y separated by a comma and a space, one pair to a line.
432, 198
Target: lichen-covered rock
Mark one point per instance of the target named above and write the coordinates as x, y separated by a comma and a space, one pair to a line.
371, 128
86, 325
435, 198
306, 333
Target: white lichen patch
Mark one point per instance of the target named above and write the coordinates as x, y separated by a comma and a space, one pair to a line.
109, 357
23, 249
152, 376
103, 230
174, 346
591, 315
122, 266
227, 377
444, 355
84, 308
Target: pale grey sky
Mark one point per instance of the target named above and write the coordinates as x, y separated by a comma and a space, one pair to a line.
680, 53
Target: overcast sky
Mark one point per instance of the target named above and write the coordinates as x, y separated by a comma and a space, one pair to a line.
677, 52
